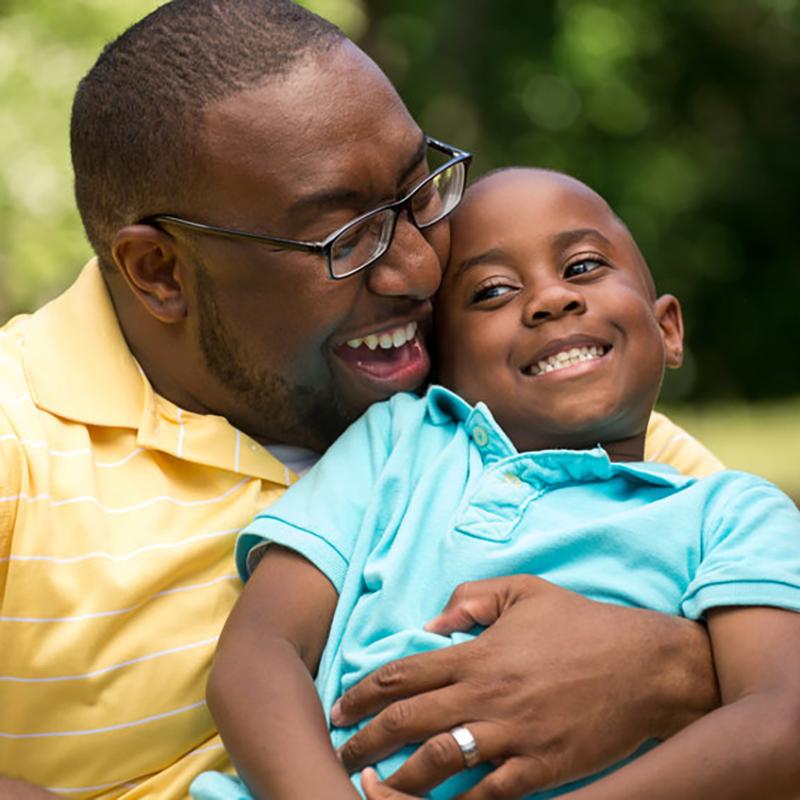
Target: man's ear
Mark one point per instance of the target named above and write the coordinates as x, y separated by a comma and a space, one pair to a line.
146, 258
670, 319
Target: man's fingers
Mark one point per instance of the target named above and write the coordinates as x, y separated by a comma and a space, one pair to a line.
512, 780
441, 756
412, 719
405, 677
478, 603
375, 790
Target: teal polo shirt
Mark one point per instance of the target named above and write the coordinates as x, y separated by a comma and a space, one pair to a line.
422, 494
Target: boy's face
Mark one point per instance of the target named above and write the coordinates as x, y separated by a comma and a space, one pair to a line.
548, 314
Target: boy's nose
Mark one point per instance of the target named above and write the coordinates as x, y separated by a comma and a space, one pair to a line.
553, 302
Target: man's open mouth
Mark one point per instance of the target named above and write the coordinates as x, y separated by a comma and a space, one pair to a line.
568, 357
387, 340
396, 355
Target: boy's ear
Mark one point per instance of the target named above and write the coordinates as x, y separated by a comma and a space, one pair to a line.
670, 320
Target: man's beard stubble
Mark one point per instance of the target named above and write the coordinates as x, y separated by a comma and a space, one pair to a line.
292, 414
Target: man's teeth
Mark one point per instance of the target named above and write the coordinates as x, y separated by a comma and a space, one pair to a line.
388, 339
566, 358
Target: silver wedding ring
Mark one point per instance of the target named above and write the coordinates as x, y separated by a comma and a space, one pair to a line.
467, 744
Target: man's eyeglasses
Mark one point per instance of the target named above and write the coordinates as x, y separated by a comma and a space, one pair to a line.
363, 240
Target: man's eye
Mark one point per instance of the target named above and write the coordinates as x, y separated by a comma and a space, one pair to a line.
583, 267
425, 197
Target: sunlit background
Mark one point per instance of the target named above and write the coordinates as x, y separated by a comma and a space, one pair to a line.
684, 114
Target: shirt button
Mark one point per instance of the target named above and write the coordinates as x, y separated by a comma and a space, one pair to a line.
480, 435
511, 478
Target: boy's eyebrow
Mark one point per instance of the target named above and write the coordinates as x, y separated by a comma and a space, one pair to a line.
567, 238
561, 240
494, 254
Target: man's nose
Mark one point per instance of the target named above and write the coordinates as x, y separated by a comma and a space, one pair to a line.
554, 301
411, 267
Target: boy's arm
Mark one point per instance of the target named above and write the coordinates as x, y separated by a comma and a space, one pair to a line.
747, 748
261, 692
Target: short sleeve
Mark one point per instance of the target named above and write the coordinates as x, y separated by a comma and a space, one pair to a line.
750, 549
321, 515
669, 444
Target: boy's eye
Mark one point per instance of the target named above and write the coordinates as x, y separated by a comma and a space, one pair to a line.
583, 267
491, 292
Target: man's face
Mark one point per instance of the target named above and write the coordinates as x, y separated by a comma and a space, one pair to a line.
284, 351
548, 315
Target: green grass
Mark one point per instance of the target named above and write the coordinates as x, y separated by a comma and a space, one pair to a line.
763, 438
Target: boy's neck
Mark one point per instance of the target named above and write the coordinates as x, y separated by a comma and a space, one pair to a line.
628, 449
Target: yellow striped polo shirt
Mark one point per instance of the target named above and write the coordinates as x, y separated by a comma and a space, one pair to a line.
118, 513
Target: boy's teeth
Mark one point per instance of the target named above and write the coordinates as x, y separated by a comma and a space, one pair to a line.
566, 358
388, 339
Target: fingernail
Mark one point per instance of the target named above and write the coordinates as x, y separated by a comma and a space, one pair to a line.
336, 713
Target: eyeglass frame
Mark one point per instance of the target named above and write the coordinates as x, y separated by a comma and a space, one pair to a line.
325, 246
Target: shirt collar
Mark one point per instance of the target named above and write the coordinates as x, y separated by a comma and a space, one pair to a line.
95, 380
445, 406
543, 466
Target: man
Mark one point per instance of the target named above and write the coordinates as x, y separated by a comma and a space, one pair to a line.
216, 145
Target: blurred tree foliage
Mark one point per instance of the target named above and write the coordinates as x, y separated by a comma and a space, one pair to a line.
685, 115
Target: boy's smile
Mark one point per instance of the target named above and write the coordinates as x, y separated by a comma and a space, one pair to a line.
548, 314
565, 354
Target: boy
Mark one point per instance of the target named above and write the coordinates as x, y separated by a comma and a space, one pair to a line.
550, 330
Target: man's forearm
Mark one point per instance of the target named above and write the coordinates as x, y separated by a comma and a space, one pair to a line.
684, 683
12, 789
748, 747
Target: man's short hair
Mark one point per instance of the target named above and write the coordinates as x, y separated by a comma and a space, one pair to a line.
137, 113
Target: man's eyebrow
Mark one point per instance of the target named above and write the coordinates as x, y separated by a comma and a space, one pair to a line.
565, 239
326, 198
416, 159
491, 256
346, 197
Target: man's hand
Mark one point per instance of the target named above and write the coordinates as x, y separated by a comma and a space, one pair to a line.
557, 688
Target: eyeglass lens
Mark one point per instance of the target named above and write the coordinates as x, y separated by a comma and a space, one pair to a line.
433, 200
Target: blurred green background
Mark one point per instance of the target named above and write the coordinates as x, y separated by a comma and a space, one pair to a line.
684, 114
